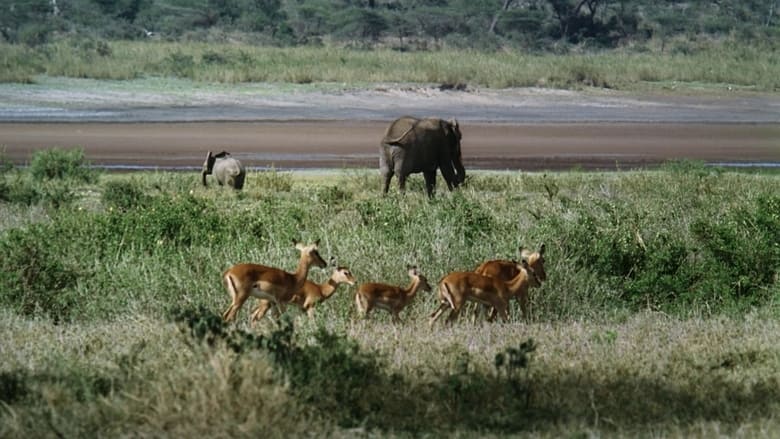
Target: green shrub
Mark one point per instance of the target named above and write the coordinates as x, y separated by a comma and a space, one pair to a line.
13, 386
21, 190
180, 64
32, 277
273, 180
123, 195
745, 250
59, 163
163, 221
332, 374
56, 194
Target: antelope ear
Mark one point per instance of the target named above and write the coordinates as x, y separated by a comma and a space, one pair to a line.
298, 245
541, 249
520, 250
316, 243
332, 262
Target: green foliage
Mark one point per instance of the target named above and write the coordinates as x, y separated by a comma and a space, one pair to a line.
330, 373
539, 25
273, 180
718, 65
123, 195
13, 386
33, 277
725, 261
333, 374
57, 163
181, 65
675, 240
745, 250
162, 222
20, 189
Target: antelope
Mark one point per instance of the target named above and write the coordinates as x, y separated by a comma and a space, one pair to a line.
268, 283
310, 294
390, 297
506, 270
457, 288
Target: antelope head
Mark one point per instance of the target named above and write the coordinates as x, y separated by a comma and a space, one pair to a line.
535, 260
310, 253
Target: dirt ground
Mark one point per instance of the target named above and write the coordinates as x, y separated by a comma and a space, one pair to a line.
350, 144
157, 124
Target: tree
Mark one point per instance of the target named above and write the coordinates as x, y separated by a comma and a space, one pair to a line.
25, 21
358, 23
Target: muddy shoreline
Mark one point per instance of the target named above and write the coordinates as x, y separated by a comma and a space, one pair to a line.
150, 124
346, 144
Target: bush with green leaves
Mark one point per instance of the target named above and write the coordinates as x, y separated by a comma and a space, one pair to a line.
58, 163
716, 256
123, 195
33, 276
333, 374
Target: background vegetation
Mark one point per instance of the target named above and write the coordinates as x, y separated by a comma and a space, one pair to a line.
403, 24
507, 43
661, 284
705, 65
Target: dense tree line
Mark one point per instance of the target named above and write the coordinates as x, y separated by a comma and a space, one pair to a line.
403, 24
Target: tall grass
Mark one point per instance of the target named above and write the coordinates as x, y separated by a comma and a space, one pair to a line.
659, 316
753, 68
649, 375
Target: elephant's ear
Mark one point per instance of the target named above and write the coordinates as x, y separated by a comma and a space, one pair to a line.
208, 165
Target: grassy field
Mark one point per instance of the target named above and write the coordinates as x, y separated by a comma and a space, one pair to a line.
682, 66
659, 316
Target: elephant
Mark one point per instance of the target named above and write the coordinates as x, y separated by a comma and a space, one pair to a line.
412, 145
227, 170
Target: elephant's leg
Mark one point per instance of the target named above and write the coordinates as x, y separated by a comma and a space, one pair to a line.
430, 181
388, 175
402, 182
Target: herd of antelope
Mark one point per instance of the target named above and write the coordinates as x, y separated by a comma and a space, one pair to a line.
492, 284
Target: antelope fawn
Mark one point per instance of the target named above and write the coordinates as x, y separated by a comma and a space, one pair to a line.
390, 297
506, 270
311, 293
